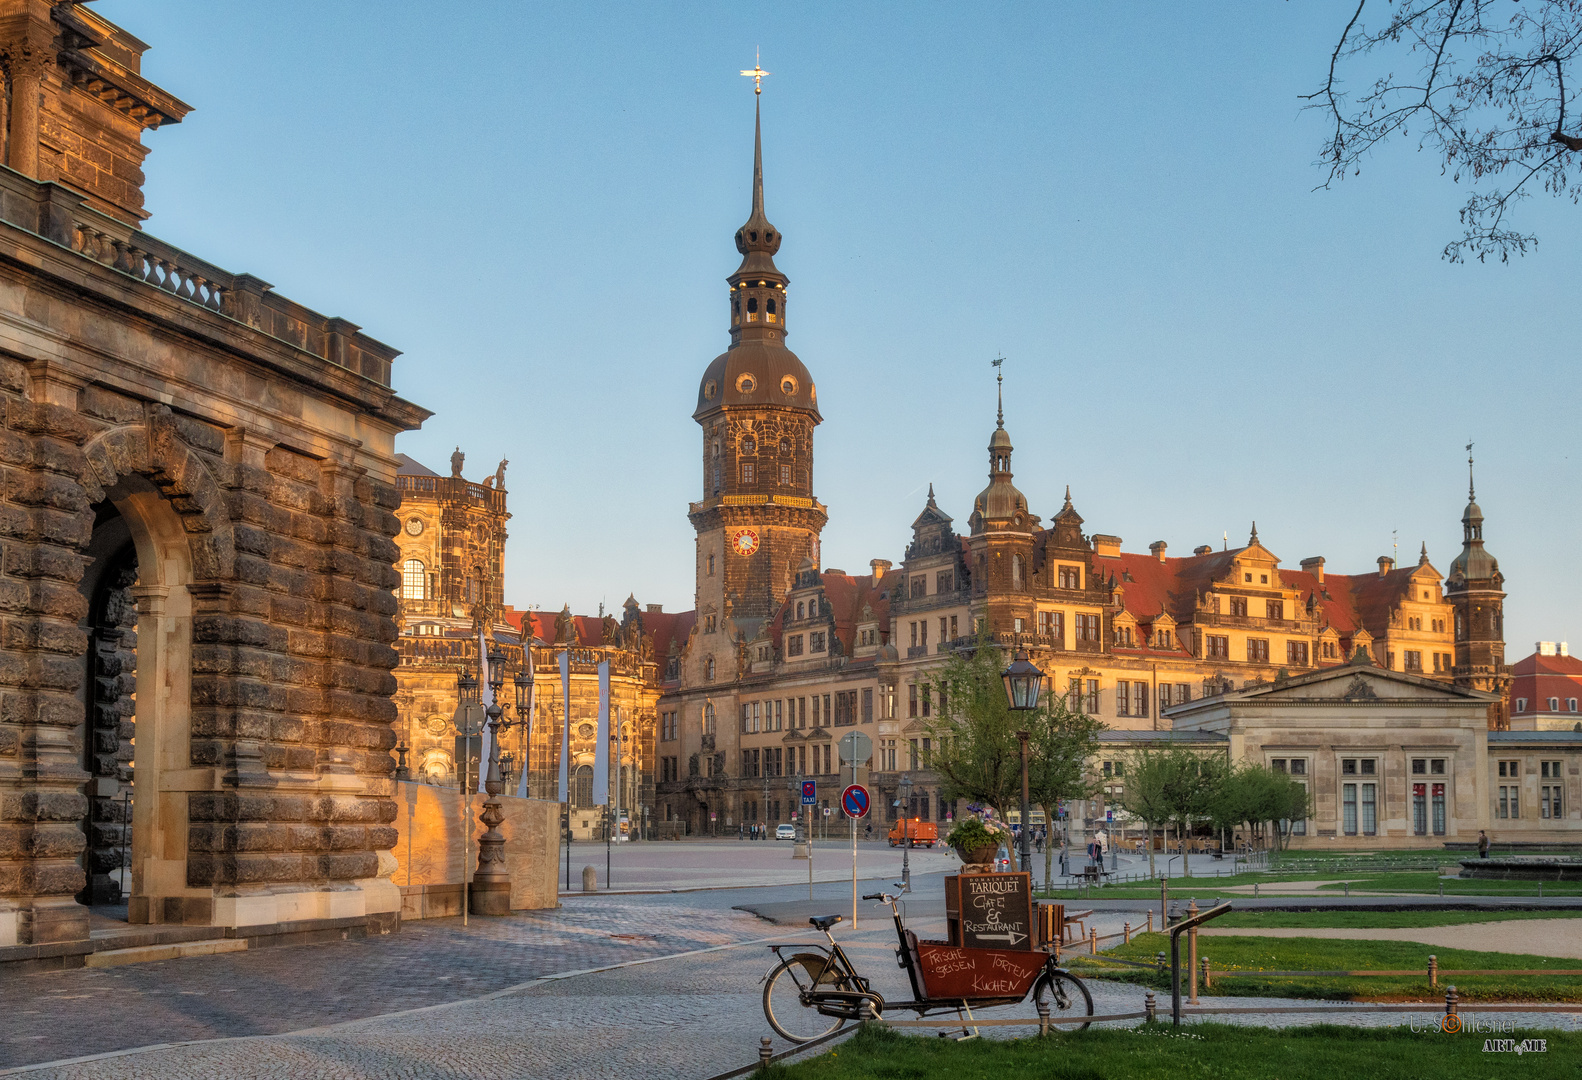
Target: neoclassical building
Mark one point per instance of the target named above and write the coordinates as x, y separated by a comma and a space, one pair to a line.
783, 655
196, 711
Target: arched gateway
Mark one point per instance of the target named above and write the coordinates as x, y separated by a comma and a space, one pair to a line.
196, 566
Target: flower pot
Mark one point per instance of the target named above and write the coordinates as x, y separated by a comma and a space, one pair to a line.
983, 853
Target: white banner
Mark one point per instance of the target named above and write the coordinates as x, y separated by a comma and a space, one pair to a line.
486, 696
527, 739
601, 749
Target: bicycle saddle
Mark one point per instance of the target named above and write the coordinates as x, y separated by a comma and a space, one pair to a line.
824, 922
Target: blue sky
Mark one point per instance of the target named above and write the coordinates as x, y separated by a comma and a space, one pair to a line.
535, 203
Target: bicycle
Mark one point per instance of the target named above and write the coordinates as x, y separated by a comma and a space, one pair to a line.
810, 994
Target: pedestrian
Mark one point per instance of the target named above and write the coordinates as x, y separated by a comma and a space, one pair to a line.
867, 832
1483, 844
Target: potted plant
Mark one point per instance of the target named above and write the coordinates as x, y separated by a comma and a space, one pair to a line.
976, 841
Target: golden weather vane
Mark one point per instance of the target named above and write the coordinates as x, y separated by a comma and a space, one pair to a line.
757, 73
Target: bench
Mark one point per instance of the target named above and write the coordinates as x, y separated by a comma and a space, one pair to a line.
1076, 918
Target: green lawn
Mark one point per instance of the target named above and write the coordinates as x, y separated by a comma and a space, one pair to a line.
1369, 919
1430, 882
1424, 882
1325, 954
1195, 1052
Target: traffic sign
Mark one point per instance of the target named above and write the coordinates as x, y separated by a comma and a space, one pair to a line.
828, 811
855, 748
1109, 815
809, 792
854, 800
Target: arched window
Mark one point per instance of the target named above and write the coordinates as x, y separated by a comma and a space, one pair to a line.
771, 305
582, 786
749, 445
752, 303
800, 610
708, 669
414, 580
1016, 571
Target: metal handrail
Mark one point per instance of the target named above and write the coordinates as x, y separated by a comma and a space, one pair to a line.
1190, 923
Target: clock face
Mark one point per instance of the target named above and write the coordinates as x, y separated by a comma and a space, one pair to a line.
744, 542
414, 526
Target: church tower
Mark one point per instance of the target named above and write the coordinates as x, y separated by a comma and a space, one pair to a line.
1475, 588
1001, 540
757, 407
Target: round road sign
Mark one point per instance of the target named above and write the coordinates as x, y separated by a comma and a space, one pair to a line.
854, 800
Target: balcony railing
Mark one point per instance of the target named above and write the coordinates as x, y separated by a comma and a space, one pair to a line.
57, 214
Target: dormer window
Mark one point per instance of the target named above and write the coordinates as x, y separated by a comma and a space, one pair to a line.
800, 610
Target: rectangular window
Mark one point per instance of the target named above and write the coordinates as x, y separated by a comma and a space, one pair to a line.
1348, 803
1123, 698
1070, 577
1238, 604
928, 699
1299, 766
1438, 793
749, 472
1414, 660
1419, 766
919, 586
922, 633
1183, 693
945, 581
911, 755
911, 699
826, 711
1257, 650
1088, 627
815, 641
1420, 809
943, 628
785, 476
1505, 809
1275, 609
1296, 653
928, 763
1436, 767
1164, 696
912, 627
1218, 647
1142, 699
1348, 766
1370, 821
867, 705
1093, 694
953, 634
1277, 764
794, 645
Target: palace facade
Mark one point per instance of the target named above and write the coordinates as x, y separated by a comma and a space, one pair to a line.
782, 656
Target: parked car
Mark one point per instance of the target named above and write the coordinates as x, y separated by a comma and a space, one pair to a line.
1002, 859
785, 832
913, 832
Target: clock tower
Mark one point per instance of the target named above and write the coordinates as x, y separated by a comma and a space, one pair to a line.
757, 407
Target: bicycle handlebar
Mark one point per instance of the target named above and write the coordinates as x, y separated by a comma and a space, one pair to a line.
874, 896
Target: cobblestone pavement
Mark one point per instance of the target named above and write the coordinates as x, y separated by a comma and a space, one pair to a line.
439, 1001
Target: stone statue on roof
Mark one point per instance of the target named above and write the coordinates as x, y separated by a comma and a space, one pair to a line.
456, 460
563, 626
610, 631
499, 474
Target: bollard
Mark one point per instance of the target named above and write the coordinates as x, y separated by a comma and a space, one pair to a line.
1433, 970
1093, 940
1192, 954
1043, 1016
1056, 943
1451, 998
1150, 1009
1441, 888
1150, 922
1159, 958
1208, 981
1348, 888
1164, 901
1255, 888
1540, 890
1126, 934
590, 879
766, 1052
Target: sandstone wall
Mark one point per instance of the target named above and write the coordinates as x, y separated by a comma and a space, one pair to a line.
433, 851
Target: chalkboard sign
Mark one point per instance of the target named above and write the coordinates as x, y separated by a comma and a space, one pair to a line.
990, 911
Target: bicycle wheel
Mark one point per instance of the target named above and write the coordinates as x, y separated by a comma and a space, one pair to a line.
783, 990
1067, 996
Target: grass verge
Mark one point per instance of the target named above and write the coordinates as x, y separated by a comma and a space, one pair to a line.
1363, 920
1253, 954
1195, 1052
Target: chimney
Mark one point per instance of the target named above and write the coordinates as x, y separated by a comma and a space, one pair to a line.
1315, 566
1546, 648
879, 567
656, 609
1108, 546
1158, 549
1203, 549
1386, 564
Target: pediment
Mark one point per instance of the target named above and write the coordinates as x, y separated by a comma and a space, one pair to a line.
1359, 684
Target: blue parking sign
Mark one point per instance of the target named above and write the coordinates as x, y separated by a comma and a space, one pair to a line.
809, 792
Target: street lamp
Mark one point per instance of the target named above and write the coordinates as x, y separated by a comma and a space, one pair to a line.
524, 708
903, 798
1023, 681
491, 888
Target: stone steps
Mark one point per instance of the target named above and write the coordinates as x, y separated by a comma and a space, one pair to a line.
175, 950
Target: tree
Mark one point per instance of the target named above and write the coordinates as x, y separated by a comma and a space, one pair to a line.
1489, 97
1061, 744
1254, 794
1178, 786
976, 752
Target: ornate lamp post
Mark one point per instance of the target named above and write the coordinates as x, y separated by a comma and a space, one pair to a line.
903, 799
524, 708
491, 885
1023, 681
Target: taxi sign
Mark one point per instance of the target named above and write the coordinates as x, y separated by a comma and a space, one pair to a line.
854, 800
809, 792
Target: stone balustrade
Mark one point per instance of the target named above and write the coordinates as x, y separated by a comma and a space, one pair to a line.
62, 216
